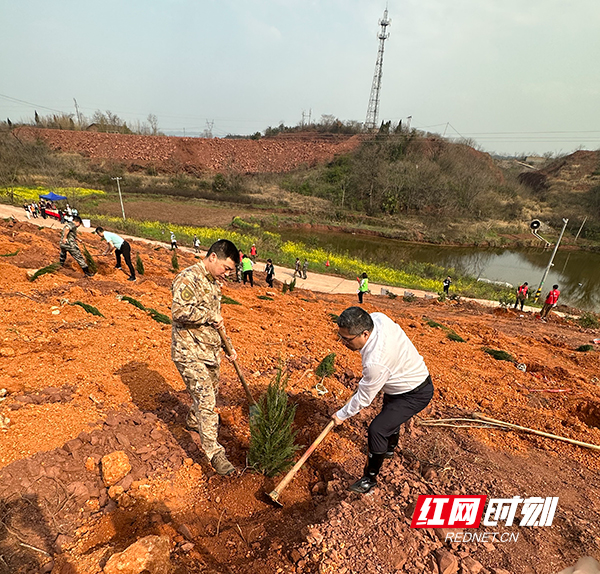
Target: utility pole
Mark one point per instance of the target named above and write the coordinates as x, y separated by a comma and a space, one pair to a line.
373, 107
118, 179
77, 113
539, 291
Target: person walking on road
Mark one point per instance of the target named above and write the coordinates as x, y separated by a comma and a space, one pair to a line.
270, 271
196, 343
363, 286
551, 301
68, 244
196, 244
298, 268
247, 269
120, 246
391, 364
446, 284
522, 294
304, 268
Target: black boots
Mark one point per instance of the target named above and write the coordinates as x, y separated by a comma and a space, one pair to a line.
368, 481
392, 444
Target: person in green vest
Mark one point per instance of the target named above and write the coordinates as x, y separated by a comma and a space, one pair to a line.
247, 266
363, 286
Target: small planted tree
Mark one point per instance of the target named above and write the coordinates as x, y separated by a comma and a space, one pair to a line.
139, 264
272, 445
91, 262
174, 261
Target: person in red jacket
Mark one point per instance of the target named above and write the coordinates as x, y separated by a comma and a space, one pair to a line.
550, 302
522, 294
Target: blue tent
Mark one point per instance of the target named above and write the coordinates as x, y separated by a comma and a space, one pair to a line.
53, 197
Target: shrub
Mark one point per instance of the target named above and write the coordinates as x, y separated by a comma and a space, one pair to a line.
272, 445
499, 355
588, 321
139, 265
585, 348
292, 285
504, 301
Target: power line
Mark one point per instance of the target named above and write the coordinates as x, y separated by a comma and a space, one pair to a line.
31, 104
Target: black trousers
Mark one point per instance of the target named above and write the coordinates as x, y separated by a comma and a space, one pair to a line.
270, 280
248, 276
360, 296
125, 251
397, 409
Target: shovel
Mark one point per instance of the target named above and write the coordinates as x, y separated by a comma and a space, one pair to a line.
274, 495
253, 407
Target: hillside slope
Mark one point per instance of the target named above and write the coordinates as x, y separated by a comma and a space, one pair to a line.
81, 386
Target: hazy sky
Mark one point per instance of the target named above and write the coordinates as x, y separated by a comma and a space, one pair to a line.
514, 76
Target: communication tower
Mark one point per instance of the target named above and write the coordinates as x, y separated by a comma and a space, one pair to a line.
373, 108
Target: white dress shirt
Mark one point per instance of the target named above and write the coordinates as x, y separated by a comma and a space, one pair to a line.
390, 363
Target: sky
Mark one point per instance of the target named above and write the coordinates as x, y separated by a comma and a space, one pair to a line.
515, 77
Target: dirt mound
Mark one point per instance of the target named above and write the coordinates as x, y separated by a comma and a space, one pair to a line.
196, 155
81, 386
579, 171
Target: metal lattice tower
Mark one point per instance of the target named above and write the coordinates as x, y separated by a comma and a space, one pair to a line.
373, 108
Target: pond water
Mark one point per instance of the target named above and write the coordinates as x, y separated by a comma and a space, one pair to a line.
576, 272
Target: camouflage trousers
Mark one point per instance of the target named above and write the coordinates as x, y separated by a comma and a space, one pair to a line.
75, 252
202, 382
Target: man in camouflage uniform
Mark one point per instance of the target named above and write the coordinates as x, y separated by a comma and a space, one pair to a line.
68, 244
196, 342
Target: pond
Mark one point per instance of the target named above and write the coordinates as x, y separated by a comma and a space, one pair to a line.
576, 272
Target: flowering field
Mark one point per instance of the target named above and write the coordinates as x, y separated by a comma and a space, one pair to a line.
270, 245
21, 193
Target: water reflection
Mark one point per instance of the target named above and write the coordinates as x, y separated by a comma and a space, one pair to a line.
576, 272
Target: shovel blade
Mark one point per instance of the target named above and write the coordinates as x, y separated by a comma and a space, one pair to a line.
274, 496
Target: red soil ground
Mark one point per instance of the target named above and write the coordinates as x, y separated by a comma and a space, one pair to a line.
81, 386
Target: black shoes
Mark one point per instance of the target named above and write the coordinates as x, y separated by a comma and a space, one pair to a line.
363, 485
132, 278
369, 478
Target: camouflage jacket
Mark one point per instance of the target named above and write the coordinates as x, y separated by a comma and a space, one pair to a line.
69, 235
196, 306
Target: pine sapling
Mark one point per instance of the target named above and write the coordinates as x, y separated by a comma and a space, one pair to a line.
139, 264
272, 445
52, 268
174, 261
89, 308
91, 262
326, 367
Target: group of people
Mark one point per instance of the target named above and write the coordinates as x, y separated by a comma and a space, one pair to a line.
69, 245
390, 363
301, 269
550, 302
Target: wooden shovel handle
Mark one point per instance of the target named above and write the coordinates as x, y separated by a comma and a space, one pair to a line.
229, 351
288, 477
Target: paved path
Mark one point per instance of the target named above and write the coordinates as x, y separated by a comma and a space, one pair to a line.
321, 282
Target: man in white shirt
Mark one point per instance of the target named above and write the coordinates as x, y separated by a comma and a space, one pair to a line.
121, 247
390, 363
